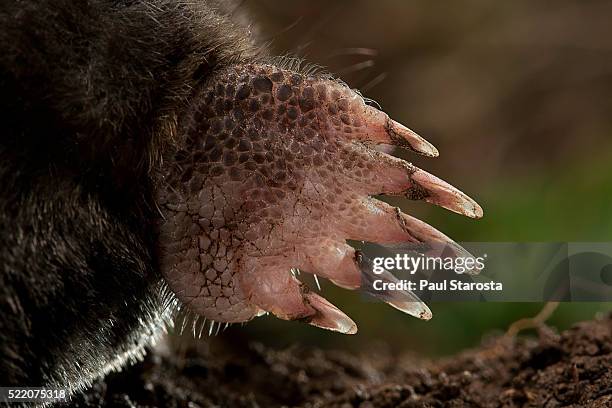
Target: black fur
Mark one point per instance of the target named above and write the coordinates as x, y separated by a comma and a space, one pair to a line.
89, 97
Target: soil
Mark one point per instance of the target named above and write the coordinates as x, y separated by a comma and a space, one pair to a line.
571, 369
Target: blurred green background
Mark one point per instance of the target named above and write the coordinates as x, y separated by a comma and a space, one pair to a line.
516, 95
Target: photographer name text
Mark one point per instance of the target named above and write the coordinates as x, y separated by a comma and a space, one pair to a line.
437, 286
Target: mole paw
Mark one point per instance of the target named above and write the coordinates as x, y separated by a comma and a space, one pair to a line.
273, 172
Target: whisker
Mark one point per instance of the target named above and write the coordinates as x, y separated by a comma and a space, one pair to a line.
194, 325
202, 328
357, 67
286, 29
372, 83
300, 48
370, 52
317, 280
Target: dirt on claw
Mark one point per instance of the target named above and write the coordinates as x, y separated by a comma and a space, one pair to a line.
571, 369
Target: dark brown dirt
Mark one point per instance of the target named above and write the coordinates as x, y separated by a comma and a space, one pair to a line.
571, 369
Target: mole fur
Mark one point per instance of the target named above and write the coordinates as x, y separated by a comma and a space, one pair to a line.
89, 97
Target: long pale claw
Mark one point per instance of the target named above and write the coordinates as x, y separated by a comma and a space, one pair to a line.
439, 192
389, 175
402, 300
393, 176
401, 136
371, 125
437, 241
274, 289
328, 316
377, 221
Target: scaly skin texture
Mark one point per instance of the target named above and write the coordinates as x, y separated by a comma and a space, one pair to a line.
274, 170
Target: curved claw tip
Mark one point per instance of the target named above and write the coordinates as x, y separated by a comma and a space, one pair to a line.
470, 208
441, 193
413, 308
328, 316
478, 213
404, 137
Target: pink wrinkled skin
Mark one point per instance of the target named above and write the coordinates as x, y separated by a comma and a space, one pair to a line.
274, 171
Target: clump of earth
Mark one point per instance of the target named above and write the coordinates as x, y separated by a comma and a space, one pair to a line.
570, 369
